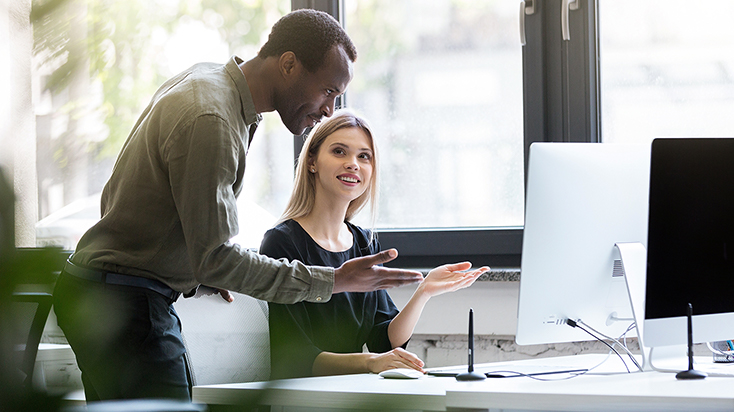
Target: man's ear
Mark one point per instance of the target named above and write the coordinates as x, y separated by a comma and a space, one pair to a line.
288, 64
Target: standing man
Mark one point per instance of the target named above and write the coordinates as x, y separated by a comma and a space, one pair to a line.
168, 212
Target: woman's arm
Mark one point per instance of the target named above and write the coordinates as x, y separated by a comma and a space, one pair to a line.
446, 278
329, 363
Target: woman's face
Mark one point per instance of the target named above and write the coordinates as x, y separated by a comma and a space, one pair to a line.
344, 164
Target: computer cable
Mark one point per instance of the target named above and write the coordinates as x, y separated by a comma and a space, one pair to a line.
616, 341
514, 374
572, 372
624, 335
575, 324
623, 339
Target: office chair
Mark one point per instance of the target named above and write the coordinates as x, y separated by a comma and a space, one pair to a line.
34, 272
225, 342
24, 303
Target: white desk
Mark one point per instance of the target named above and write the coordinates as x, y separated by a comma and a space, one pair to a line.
650, 391
348, 392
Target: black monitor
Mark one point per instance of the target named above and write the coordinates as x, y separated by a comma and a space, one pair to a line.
690, 245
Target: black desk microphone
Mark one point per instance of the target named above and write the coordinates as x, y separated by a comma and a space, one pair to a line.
470, 375
690, 373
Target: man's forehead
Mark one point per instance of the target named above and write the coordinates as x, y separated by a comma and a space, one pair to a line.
338, 67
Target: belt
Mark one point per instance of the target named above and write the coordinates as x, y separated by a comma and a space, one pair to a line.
112, 278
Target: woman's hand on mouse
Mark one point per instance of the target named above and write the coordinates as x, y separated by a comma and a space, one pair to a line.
396, 358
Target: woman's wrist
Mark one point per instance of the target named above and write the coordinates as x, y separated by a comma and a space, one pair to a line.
421, 295
369, 362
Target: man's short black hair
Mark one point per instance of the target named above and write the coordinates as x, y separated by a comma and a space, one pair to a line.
309, 34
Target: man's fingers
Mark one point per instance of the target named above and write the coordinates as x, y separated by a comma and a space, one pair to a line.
379, 258
390, 277
226, 295
363, 274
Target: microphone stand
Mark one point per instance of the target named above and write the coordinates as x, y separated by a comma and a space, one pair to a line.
690, 373
470, 374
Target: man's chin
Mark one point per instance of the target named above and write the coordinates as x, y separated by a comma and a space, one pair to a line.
300, 130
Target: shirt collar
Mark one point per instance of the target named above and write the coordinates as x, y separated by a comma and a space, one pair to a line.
248, 106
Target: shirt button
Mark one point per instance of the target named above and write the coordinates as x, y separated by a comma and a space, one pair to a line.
318, 298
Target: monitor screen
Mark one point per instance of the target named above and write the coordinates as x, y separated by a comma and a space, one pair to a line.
581, 199
690, 252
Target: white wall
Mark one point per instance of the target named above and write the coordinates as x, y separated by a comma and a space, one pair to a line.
17, 125
494, 304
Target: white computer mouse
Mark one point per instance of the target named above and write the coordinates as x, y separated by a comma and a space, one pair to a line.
401, 373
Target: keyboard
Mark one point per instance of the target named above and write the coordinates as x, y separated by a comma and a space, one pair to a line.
716, 369
510, 371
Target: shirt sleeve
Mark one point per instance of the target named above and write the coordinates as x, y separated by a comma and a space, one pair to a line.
204, 163
292, 352
378, 340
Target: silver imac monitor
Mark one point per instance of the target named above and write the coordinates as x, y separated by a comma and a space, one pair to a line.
690, 249
581, 199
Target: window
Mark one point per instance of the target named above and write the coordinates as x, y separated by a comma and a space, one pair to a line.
454, 97
441, 83
97, 64
667, 70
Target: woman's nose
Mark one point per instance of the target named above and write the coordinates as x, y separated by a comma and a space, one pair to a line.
352, 164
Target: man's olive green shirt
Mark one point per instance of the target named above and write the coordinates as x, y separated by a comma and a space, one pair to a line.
169, 208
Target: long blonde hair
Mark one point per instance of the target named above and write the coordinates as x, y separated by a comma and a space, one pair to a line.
303, 196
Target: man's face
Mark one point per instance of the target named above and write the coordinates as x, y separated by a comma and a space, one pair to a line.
310, 96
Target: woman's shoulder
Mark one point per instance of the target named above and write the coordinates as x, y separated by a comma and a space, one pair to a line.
287, 227
281, 240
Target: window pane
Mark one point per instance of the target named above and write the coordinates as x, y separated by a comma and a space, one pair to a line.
98, 63
441, 84
667, 69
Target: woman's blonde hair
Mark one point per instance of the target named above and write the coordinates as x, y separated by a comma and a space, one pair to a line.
304, 189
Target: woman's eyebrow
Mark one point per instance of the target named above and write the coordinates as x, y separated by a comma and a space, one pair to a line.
344, 145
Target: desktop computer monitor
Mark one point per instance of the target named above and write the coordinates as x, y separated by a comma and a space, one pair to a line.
690, 249
581, 199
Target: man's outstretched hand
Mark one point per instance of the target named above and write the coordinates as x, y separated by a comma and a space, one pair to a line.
363, 275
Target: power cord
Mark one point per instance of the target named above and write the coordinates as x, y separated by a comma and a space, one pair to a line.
579, 323
616, 341
576, 372
514, 374
572, 373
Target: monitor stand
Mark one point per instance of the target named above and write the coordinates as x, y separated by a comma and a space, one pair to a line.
634, 261
634, 264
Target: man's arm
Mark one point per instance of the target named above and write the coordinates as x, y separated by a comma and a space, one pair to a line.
363, 275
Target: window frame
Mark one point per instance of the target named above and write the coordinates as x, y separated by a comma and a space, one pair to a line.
560, 104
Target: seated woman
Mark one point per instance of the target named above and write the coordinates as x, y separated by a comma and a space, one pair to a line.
335, 177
